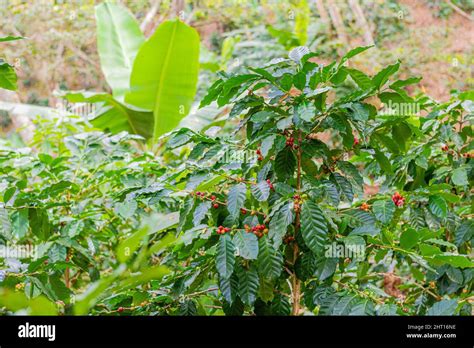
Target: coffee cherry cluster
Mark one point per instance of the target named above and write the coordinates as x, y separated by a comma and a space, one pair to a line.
364, 206
445, 148
270, 184
203, 195
297, 203
288, 239
356, 141
290, 141
259, 230
222, 230
259, 154
207, 195
398, 199
243, 211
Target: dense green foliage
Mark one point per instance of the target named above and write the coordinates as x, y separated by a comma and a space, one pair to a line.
306, 194
317, 190
241, 221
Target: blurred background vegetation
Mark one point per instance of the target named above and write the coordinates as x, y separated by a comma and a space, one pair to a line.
433, 39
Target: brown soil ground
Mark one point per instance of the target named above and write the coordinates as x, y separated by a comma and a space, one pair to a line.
457, 35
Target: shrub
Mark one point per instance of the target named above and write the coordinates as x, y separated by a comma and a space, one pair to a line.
268, 212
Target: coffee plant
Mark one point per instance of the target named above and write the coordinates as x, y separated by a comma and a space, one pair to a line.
309, 197
271, 224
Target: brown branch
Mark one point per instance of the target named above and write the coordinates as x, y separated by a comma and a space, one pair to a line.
296, 283
202, 292
360, 293
150, 15
177, 6
82, 55
323, 13
361, 21
459, 11
337, 21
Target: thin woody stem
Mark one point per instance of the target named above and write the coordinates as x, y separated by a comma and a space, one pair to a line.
296, 283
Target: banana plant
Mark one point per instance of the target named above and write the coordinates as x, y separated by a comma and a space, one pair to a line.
164, 75
118, 39
153, 82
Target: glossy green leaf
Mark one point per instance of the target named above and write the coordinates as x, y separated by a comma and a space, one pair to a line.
444, 307
20, 223
382, 77
305, 266
246, 244
279, 224
39, 223
128, 246
362, 306
455, 275
188, 308
459, 177
326, 267
11, 38
236, 198
464, 232
164, 75
16, 301
8, 77
113, 116
127, 208
229, 287
285, 164
314, 227
438, 206
384, 210
351, 171
361, 79
407, 82
261, 191
281, 305
5, 223
118, 39
225, 258
343, 186
383, 162
248, 284
266, 290
455, 260
200, 212
353, 52
409, 239
270, 260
